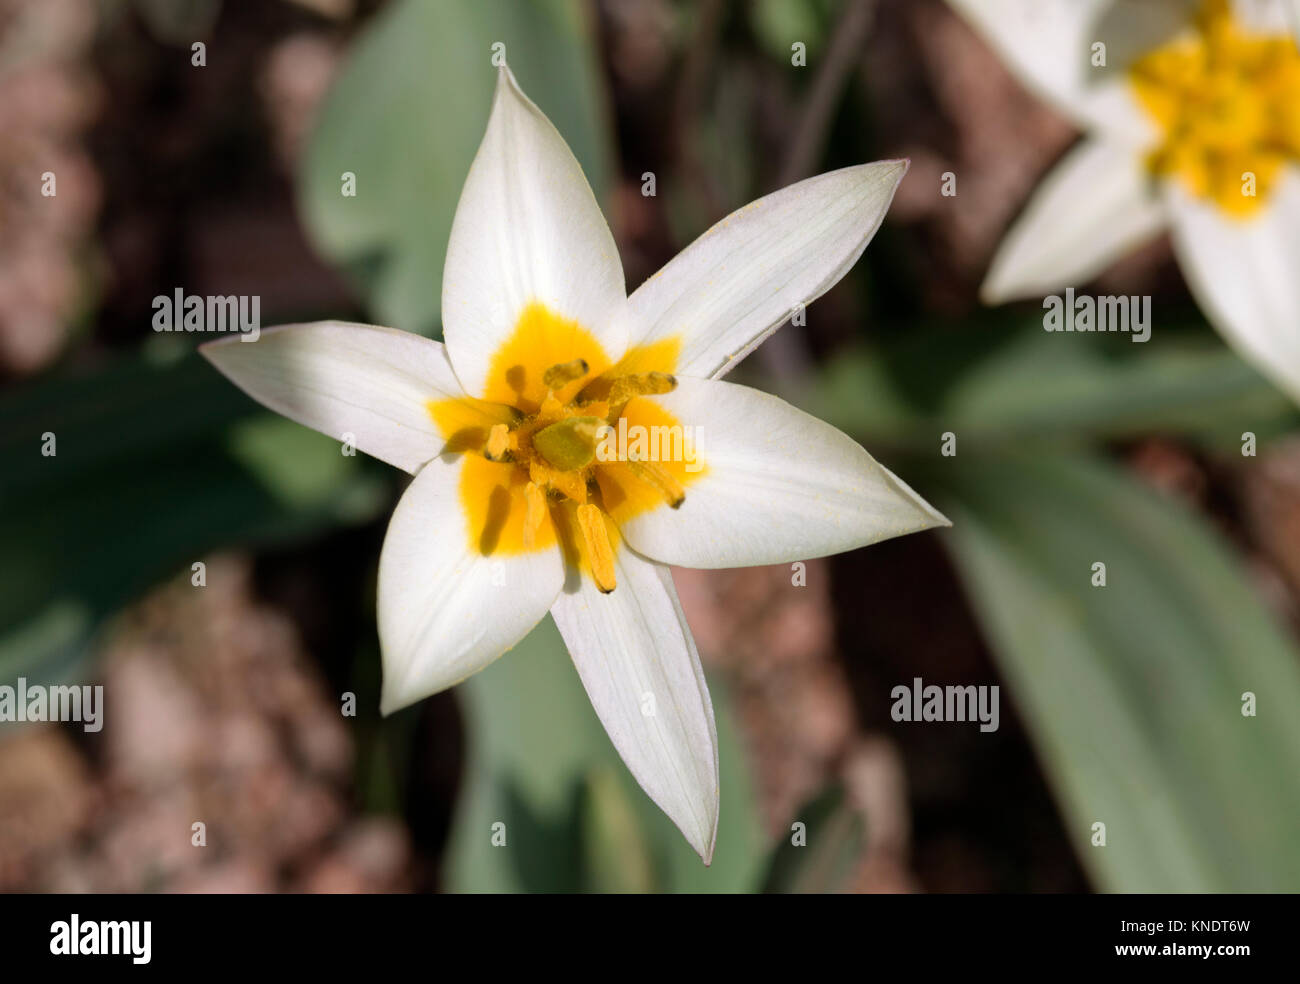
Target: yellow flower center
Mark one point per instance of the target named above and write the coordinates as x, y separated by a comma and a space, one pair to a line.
532, 475
1228, 105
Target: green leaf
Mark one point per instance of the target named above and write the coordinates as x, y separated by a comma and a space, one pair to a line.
993, 390
406, 118
1043, 388
616, 857
155, 466
777, 24
536, 752
832, 840
1133, 692
129, 407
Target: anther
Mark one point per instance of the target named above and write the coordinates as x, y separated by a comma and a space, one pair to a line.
498, 442
564, 372
661, 479
535, 500
640, 384
599, 553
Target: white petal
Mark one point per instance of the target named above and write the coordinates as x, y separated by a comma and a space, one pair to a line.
1245, 274
527, 229
446, 611
1095, 206
637, 660
1047, 44
341, 379
741, 280
777, 486
1266, 16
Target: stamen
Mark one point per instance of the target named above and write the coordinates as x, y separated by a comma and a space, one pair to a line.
640, 384
498, 442
599, 553
564, 373
570, 443
661, 479
535, 499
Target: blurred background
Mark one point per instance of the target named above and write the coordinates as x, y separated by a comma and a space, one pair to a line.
227, 703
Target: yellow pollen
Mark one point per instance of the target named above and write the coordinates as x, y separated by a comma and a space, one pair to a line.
498, 442
535, 503
625, 388
565, 372
600, 555
531, 478
1228, 104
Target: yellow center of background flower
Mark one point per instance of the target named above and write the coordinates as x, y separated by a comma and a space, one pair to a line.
516, 498
1228, 105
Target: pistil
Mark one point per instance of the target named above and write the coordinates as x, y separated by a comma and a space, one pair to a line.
569, 444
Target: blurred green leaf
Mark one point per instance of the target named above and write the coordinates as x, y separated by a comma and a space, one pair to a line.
995, 391
1134, 691
1042, 389
777, 24
833, 837
406, 118
616, 857
535, 746
155, 466
127, 408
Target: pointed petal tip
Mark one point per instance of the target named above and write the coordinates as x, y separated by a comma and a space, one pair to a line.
705, 852
934, 520
707, 856
394, 699
208, 349
715, 810
394, 692
390, 703
993, 291
896, 167
937, 519
889, 172
506, 79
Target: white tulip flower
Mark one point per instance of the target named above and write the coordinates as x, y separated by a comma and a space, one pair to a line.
523, 501
1191, 110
